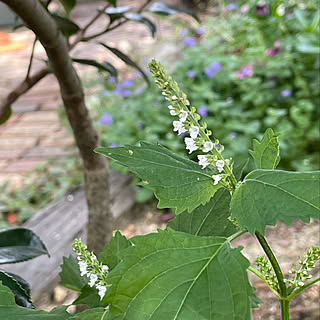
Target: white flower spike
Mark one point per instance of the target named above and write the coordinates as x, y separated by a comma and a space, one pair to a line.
178, 126
216, 178
190, 144
220, 164
172, 110
203, 161
183, 115
194, 131
207, 146
93, 280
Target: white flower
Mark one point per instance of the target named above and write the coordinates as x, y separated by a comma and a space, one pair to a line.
194, 131
216, 178
174, 98
300, 284
203, 161
220, 165
178, 126
172, 111
104, 268
183, 115
93, 280
207, 146
101, 290
83, 268
190, 144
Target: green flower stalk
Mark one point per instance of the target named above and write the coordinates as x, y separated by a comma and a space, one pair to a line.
189, 123
91, 267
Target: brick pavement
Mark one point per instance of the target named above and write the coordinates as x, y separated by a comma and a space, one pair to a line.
33, 133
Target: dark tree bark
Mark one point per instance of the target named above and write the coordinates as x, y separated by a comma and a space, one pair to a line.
95, 165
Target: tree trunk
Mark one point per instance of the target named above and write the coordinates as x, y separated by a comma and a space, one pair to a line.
95, 165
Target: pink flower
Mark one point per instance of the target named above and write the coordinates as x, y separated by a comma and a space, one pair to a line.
245, 71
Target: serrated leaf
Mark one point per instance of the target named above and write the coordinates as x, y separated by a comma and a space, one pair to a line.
20, 244
9, 310
18, 287
125, 59
266, 154
92, 314
70, 274
165, 9
89, 296
111, 252
173, 275
116, 13
68, 4
66, 26
6, 116
105, 66
267, 196
208, 220
140, 18
177, 182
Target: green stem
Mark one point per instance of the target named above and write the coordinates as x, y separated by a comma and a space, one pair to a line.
297, 291
274, 262
236, 235
284, 303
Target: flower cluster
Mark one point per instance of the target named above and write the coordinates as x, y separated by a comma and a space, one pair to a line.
266, 270
91, 267
312, 255
187, 122
244, 72
211, 70
122, 88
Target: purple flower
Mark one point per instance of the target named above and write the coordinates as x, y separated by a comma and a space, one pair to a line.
262, 8
183, 32
113, 145
126, 83
189, 42
199, 31
231, 6
232, 135
118, 90
138, 74
126, 93
106, 119
111, 79
245, 71
286, 93
155, 103
209, 72
139, 126
203, 111
191, 74
105, 93
215, 66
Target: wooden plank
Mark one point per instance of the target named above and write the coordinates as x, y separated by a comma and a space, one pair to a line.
59, 224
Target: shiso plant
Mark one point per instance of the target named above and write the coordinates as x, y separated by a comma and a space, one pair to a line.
189, 270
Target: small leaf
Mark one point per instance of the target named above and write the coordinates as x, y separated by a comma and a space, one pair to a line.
176, 181
20, 244
67, 27
126, 59
89, 296
173, 275
70, 274
140, 18
116, 13
111, 252
68, 4
165, 9
19, 288
266, 196
266, 154
6, 116
113, 2
91, 314
239, 170
105, 66
208, 220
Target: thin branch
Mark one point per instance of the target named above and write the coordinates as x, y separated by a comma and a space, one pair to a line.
31, 58
297, 291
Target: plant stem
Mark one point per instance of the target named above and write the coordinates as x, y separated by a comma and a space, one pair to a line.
284, 303
31, 58
236, 235
297, 291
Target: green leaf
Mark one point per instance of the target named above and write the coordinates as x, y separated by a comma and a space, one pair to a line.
208, 220
113, 2
9, 310
165, 9
105, 66
68, 4
116, 13
70, 274
66, 26
125, 59
20, 244
89, 296
92, 314
6, 116
266, 154
110, 254
140, 18
19, 288
266, 196
177, 182
173, 275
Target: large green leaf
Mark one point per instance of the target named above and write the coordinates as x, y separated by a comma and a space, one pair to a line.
10, 311
70, 274
89, 296
125, 59
111, 252
68, 4
140, 18
66, 26
266, 196
208, 220
92, 314
165, 9
19, 288
173, 275
105, 66
177, 182
20, 244
266, 154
